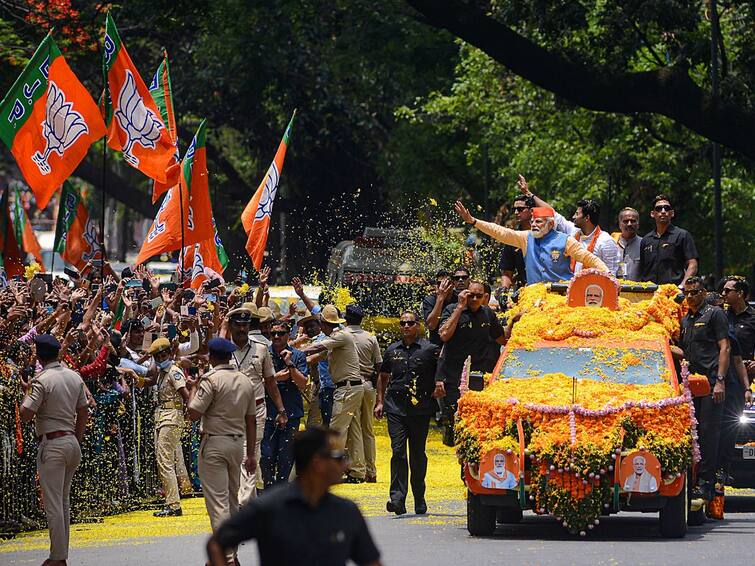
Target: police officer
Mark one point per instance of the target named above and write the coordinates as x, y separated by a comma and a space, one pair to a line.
704, 339
224, 400
58, 400
253, 359
343, 363
404, 393
169, 420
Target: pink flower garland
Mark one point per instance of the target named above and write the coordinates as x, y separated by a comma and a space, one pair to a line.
693, 420
573, 426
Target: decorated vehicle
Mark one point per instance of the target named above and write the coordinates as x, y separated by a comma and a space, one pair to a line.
585, 414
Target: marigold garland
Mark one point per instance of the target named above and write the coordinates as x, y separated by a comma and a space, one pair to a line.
573, 446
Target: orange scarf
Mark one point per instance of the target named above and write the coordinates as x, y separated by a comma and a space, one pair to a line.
590, 248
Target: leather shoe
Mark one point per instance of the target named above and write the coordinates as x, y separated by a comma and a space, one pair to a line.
397, 508
702, 491
370, 479
420, 507
352, 479
168, 512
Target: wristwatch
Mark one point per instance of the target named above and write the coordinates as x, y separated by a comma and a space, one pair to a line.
289, 366
720, 377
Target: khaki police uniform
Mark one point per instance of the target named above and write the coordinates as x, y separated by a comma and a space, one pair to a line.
343, 362
368, 352
56, 393
225, 397
254, 361
169, 422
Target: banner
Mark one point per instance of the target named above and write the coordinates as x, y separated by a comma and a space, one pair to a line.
48, 120
256, 215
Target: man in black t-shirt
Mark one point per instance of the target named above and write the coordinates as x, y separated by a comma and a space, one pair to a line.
446, 292
467, 329
511, 265
704, 339
668, 253
302, 523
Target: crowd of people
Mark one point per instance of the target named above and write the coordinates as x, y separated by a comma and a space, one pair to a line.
147, 391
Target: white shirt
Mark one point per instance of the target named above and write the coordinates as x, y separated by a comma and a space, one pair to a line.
605, 248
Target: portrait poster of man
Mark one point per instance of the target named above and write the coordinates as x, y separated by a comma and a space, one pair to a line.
591, 288
499, 470
640, 473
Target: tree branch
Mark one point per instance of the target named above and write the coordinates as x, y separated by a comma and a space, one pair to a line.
668, 91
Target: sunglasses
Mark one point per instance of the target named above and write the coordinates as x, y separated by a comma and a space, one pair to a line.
728, 290
662, 207
407, 322
278, 333
692, 292
337, 455
521, 208
476, 295
460, 277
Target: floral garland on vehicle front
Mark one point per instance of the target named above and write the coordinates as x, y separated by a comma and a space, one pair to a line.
572, 447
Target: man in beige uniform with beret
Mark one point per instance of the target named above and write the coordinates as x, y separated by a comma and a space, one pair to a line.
224, 400
253, 360
343, 362
172, 396
58, 400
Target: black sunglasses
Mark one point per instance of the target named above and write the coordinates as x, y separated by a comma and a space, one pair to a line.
662, 207
521, 208
337, 455
692, 292
279, 333
407, 322
728, 290
460, 277
476, 295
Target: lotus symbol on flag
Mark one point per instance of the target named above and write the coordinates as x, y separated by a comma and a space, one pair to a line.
61, 128
265, 207
198, 267
90, 237
138, 122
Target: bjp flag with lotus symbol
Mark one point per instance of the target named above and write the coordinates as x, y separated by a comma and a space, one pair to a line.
135, 125
256, 215
48, 120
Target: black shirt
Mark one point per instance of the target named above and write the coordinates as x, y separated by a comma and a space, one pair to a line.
412, 369
663, 258
289, 531
474, 333
428, 304
701, 332
744, 328
512, 259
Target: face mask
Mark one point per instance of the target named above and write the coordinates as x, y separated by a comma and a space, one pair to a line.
165, 364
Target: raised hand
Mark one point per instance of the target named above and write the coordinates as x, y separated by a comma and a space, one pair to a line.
524, 186
298, 286
462, 211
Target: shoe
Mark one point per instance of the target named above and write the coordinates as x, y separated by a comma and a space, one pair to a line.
352, 479
420, 507
168, 512
703, 490
370, 479
397, 508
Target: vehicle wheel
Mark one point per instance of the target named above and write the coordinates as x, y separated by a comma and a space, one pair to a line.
673, 516
511, 515
480, 518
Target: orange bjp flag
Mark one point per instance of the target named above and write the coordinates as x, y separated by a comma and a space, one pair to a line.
49, 120
256, 215
134, 123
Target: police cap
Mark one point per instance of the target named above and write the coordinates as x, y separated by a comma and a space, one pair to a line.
221, 347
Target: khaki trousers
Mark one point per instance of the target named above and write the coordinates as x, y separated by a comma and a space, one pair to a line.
248, 486
346, 420
368, 434
220, 459
57, 460
184, 482
314, 417
168, 437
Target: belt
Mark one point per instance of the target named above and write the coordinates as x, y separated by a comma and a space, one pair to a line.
259, 402
231, 435
171, 406
345, 382
55, 434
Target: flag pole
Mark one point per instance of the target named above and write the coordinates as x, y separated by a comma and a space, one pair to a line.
106, 102
181, 206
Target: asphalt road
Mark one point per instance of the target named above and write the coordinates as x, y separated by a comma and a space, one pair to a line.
441, 538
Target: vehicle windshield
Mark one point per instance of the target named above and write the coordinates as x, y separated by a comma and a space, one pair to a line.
617, 365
